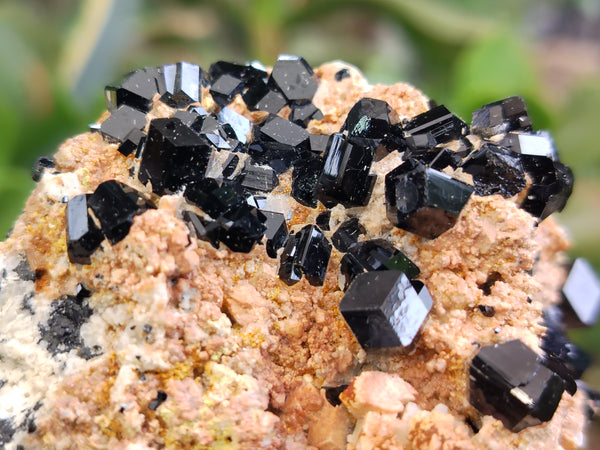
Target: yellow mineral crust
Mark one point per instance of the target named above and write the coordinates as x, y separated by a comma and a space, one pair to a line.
243, 357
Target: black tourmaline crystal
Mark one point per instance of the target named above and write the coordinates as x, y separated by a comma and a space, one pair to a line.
133, 142
581, 295
115, 205
137, 90
509, 382
286, 133
294, 78
495, 170
531, 144
375, 254
500, 117
345, 178
121, 122
62, 331
276, 232
385, 309
83, 236
305, 179
241, 228
302, 114
368, 118
433, 127
182, 84
306, 253
174, 156
423, 200
258, 178
346, 236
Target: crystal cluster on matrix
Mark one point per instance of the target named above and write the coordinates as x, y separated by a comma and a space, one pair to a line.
227, 166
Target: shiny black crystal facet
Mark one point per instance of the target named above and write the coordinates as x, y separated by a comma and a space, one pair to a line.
258, 96
551, 187
422, 200
120, 123
495, 170
346, 236
225, 88
191, 119
385, 309
182, 87
132, 142
294, 78
345, 178
440, 159
137, 90
581, 295
83, 236
305, 178
372, 255
115, 204
318, 143
201, 229
509, 382
241, 228
279, 156
306, 253
302, 114
531, 144
61, 333
174, 156
258, 178
276, 232
434, 127
241, 126
323, 219
368, 118
214, 199
500, 117
284, 132
40, 166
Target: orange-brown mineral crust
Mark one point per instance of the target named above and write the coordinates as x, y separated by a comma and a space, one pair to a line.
243, 358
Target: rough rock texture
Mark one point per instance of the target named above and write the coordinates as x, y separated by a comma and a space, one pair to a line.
242, 357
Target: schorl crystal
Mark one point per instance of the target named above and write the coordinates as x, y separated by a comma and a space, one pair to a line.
495, 170
433, 127
258, 178
581, 295
225, 88
302, 114
422, 200
134, 140
184, 87
174, 156
306, 253
500, 117
531, 144
241, 228
294, 78
305, 179
284, 132
241, 126
368, 118
115, 204
83, 236
509, 382
375, 254
276, 232
385, 309
137, 90
346, 236
345, 178
61, 332
121, 122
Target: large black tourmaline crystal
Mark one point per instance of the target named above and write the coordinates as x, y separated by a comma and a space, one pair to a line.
509, 382
137, 89
182, 84
294, 78
306, 253
500, 117
174, 156
345, 178
385, 308
433, 127
83, 236
581, 295
423, 200
368, 118
346, 236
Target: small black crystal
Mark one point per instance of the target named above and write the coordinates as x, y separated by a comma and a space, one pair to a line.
115, 204
225, 88
531, 144
581, 295
182, 84
280, 157
306, 253
318, 143
137, 90
500, 117
121, 122
40, 166
161, 397
440, 159
423, 200
385, 309
133, 142
215, 199
173, 156
258, 178
83, 236
323, 219
240, 125
302, 114
305, 179
368, 118
284, 132
433, 127
495, 170
276, 232
346, 236
258, 96
345, 178
375, 254
61, 332
341, 74
294, 78
241, 228
509, 382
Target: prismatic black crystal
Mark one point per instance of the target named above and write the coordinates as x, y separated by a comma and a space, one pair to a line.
182, 83
500, 117
173, 156
346, 236
241, 228
294, 78
495, 170
286, 133
115, 204
531, 144
137, 90
423, 200
121, 122
581, 295
385, 309
433, 127
83, 236
258, 178
276, 232
133, 142
509, 382
345, 178
305, 179
302, 114
375, 254
306, 253
368, 118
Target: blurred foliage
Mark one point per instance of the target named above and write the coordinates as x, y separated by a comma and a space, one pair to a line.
56, 55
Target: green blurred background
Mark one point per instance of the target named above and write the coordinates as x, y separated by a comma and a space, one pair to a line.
57, 55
